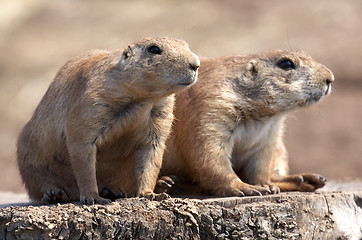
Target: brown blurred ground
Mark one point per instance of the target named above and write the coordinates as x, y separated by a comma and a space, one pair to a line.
38, 36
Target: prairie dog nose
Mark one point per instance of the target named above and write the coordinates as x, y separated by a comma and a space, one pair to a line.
330, 79
194, 62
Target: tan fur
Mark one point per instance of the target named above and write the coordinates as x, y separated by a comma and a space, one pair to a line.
103, 123
228, 132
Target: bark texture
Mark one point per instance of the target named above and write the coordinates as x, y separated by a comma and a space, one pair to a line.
323, 215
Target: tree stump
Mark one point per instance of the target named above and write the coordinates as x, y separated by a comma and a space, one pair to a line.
322, 215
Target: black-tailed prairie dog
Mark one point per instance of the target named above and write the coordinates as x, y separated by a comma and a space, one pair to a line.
228, 134
100, 130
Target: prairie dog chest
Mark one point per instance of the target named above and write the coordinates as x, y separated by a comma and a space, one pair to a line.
127, 129
250, 137
134, 123
127, 120
250, 134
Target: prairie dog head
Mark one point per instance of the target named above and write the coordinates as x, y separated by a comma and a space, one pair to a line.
156, 67
285, 80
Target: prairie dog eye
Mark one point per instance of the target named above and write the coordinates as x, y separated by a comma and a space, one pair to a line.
286, 64
154, 49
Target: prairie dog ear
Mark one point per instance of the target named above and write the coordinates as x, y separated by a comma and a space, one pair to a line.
127, 53
251, 69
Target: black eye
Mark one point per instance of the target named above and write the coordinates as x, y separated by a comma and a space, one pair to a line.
154, 49
286, 64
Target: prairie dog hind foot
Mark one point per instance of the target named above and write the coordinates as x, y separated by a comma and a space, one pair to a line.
304, 182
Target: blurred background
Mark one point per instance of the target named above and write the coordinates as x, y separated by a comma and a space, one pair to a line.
38, 36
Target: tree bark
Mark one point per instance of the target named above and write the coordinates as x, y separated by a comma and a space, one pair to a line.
322, 215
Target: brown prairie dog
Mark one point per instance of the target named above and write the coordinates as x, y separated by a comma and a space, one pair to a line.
100, 130
227, 138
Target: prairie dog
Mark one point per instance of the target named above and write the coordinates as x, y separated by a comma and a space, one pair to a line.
101, 127
228, 134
